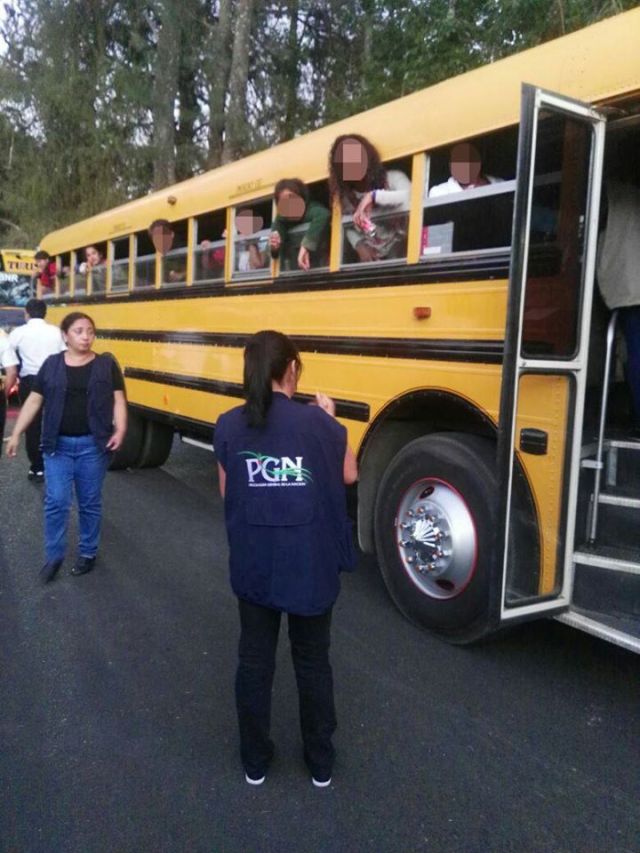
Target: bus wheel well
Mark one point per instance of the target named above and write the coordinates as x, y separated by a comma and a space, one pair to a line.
404, 420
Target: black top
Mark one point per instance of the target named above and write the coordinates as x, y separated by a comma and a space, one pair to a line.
75, 418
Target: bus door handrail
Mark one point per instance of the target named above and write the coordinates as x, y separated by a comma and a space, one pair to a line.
611, 337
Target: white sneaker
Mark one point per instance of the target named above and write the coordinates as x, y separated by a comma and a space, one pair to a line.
320, 784
254, 781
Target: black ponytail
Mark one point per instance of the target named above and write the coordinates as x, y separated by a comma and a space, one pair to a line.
266, 357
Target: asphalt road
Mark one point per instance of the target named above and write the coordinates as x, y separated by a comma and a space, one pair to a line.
117, 721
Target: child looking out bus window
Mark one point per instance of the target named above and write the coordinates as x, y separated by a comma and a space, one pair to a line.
296, 208
364, 187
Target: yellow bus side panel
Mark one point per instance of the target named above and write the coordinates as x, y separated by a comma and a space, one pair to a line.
543, 403
473, 310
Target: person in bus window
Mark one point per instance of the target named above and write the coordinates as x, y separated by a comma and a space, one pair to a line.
93, 257
296, 208
94, 262
465, 165
46, 273
212, 260
163, 237
251, 249
362, 185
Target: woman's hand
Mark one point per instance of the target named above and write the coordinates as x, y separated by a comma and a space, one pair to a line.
361, 215
326, 404
12, 445
304, 261
115, 442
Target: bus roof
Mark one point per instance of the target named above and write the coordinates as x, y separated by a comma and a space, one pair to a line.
594, 64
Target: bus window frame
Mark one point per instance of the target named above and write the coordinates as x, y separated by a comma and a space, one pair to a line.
143, 288
112, 245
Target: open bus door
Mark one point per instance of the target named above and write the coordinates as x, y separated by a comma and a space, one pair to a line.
555, 227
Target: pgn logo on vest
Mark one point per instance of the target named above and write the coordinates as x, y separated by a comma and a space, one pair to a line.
265, 470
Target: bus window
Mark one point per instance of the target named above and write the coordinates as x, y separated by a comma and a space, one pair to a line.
317, 213
210, 246
252, 224
469, 195
63, 266
174, 260
90, 261
558, 211
119, 267
145, 262
383, 234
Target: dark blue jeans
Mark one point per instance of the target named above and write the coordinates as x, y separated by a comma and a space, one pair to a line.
310, 640
630, 323
76, 462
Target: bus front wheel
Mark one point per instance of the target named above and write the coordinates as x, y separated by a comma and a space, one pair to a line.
434, 523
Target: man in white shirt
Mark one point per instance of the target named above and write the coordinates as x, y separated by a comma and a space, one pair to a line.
8, 363
34, 342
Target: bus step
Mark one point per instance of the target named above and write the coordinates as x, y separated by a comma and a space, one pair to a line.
607, 580
608, 558
624, 632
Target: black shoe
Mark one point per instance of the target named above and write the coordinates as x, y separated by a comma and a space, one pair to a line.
31, 475
39, 476
49, 570
84, 565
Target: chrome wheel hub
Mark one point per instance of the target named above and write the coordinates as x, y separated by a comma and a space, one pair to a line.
436, 538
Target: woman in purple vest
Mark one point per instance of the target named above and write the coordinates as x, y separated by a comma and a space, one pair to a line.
84, 421
282, 468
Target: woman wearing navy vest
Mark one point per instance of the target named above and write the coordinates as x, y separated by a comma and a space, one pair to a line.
84, 420
282, 468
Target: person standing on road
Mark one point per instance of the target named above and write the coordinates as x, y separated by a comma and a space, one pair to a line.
85, 418
34, 342
282, 468
9, 366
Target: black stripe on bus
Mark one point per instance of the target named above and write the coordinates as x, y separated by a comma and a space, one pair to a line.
456, 268
487, 352
349, 409
453, 269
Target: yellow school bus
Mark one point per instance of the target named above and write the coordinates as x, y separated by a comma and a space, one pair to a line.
470, 372
17, 267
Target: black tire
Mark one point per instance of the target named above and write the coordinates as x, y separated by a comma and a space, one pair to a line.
156, 445
127, 456
461, 468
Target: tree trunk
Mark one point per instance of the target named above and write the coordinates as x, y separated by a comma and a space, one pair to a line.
292, 66
236, 125
218, 68
186, 144
165, 88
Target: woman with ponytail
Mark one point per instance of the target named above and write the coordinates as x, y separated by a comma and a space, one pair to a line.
282, 469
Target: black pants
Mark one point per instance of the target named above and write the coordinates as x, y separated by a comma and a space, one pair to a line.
34, 429
310, 639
